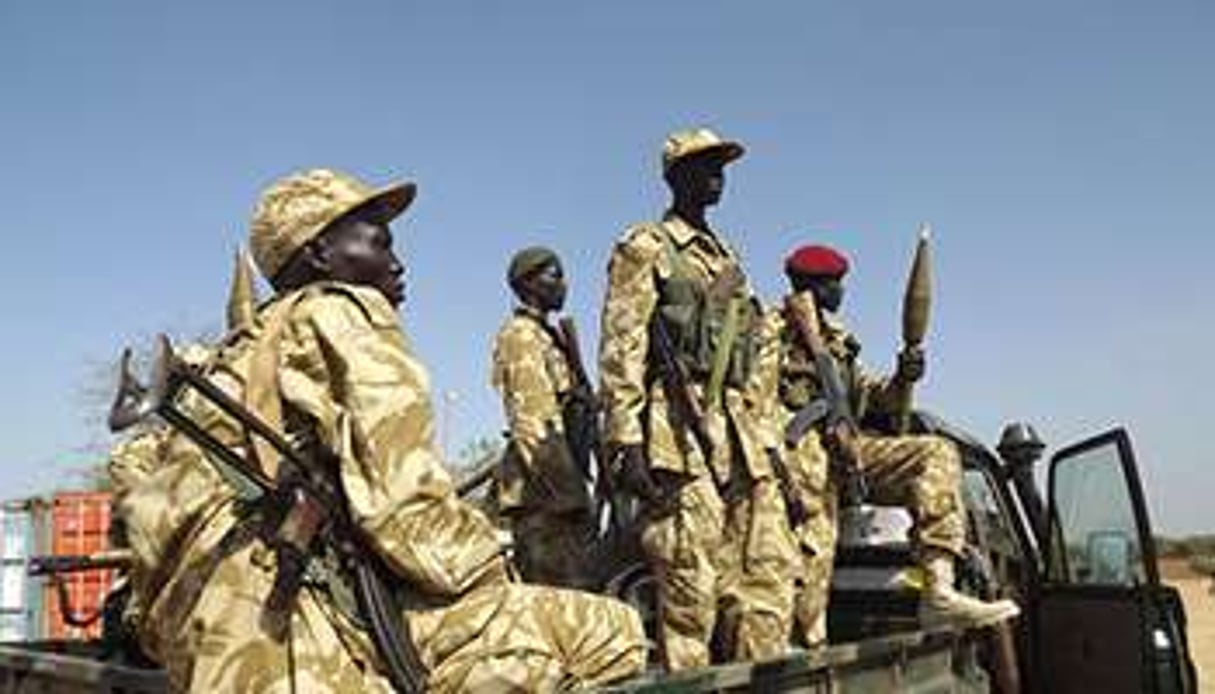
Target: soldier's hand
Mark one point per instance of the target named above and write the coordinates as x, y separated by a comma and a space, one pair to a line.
911, 365
841, 443
633, 473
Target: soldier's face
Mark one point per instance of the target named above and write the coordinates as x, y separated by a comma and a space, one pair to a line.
828, 293
547, 287
359, 251
700, 179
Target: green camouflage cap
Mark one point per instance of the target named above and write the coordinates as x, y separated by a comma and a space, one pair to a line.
529, 260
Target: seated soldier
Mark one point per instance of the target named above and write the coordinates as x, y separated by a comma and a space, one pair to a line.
922, 473
326, 362
540, 487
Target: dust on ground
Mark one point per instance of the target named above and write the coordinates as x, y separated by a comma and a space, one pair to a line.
1199, 602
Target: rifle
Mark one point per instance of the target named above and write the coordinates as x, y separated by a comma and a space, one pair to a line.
841, 425
312, 514
582, 425
581, 406
74, 563
681, 395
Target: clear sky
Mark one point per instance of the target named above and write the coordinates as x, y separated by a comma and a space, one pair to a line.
1064, 153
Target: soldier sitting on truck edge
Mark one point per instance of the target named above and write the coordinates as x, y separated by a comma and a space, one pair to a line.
922, 473
539, 487
326, 362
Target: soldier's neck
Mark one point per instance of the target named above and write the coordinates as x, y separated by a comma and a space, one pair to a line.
533, 311
692, 214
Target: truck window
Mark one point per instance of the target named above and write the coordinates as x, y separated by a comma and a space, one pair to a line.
1096, 538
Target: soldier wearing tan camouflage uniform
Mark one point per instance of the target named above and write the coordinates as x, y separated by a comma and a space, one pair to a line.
540, 489
714, 521
326, 362
922, 473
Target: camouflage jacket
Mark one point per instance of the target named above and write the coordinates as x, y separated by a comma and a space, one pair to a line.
640, 272
532, 375
786, 376
334, 354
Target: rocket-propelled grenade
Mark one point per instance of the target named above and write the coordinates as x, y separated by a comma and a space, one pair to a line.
917, 306
917, 299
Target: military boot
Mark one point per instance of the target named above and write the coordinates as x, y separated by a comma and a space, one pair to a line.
941, 603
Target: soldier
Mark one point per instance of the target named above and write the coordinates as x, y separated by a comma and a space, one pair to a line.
326, 362
677, 331
922, 473
540, 488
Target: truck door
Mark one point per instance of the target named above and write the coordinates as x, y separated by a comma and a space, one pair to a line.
1102, 621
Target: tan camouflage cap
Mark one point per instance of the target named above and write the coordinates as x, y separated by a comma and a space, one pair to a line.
293, 210
684, 143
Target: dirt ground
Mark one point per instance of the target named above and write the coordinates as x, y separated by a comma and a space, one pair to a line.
1200, 611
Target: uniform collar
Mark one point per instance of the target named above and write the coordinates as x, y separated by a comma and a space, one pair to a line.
526, 311
683, 233
833, 324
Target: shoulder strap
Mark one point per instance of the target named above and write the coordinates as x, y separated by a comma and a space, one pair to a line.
679, 268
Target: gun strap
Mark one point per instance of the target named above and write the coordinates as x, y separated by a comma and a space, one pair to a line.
721, 355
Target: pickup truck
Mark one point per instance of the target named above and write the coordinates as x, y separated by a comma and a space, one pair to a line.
1082, 565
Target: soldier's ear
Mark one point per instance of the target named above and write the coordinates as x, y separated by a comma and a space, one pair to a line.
318, 254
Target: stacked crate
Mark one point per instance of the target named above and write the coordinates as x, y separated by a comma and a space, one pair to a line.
80, 524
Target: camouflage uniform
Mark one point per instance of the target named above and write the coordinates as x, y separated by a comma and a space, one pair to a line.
330, 361
922, 473
540, 488
711, 545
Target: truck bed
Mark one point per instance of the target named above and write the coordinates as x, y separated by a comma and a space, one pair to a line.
919, 662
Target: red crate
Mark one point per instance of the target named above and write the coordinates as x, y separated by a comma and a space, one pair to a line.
80, 524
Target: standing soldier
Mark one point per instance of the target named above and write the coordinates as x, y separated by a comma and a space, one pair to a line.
227, 603
922, 473
540, 488
677, 345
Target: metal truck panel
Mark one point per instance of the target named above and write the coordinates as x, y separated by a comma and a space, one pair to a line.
22, 533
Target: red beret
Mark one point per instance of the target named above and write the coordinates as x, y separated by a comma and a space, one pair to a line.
816, 261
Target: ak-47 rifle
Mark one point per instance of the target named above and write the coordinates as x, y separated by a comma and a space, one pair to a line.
581, 406
53, 567
680, 393
581, 419
842, 427
312, 513
46, 565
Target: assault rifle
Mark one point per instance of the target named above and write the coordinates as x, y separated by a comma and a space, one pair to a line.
842, 427
581, 419
48, 565
311, 513
681, 394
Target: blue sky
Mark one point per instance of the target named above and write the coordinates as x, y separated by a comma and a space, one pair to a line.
1064, 153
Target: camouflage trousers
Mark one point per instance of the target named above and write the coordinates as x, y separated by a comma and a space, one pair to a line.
554, 549
530, 639
921, 473
502, 637
709, 555
810, 468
